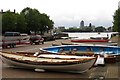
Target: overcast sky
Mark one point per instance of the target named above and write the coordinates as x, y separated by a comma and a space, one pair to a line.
69, 12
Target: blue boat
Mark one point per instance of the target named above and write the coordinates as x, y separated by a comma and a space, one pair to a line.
110, 50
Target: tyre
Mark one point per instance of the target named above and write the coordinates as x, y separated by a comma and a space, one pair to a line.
10, 45
13, 45
4, 46
37, 43
31, 43
43, 42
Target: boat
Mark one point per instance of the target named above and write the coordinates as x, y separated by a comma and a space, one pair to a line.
88, 50
99, 37
52, 62
63, 43
89, 40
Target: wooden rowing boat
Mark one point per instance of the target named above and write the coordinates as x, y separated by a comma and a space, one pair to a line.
55, 62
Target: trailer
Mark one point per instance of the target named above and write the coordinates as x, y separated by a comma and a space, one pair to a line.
11, 39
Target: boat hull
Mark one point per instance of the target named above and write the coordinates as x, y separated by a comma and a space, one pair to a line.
111, 50
88, 40
74, 67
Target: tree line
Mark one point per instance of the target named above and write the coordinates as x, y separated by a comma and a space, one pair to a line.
115, 27
31, 20
116, 20
28, 20
86, 29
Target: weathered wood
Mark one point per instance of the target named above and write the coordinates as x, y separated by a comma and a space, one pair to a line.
112, 71
99, 72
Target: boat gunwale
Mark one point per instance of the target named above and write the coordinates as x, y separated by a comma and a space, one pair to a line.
78, 60
48, 63
62, 46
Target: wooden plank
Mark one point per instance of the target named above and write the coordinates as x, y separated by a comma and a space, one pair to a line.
112, 71
98, 73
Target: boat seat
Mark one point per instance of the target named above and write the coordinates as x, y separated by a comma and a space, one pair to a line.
100, 61
73, 51
67, 52
83, 53
62, 51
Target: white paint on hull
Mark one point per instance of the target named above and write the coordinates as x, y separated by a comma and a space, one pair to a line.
81, 67
87, 35
76, 67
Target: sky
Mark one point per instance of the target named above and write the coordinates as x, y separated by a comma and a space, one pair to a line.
69, 13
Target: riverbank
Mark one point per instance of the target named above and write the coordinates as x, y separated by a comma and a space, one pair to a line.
109, 71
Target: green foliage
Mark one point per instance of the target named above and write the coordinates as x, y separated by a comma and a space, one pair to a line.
8, 21
36, 21
31, 19
28, 20
72, 30
109, 29
116, 21
21, 24
13, 22
46, 23
100, 29
85, 29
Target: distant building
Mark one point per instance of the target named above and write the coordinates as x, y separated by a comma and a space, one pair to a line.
61, 28
119, 4
5, 12
82, 24
58, 29
90, 25
93, 27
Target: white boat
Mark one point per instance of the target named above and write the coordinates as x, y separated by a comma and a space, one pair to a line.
54, 62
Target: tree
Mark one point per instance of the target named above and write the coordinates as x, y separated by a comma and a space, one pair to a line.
21, 24
100, 29
36, 21
109, 29
116, 20
87, 29
46, 23
8, 21
31, 19
13, 22
72, 29
28, 20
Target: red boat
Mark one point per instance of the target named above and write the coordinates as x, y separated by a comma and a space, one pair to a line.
89, 40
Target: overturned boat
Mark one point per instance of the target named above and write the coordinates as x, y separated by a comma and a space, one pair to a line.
90, 40
54, 62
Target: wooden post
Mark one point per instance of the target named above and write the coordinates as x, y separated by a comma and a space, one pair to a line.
119, 39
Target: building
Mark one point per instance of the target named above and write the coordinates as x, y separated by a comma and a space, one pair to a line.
5, 11
82, 24
90, 25
58, 29
61, 28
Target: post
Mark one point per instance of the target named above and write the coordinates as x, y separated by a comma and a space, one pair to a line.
118, 39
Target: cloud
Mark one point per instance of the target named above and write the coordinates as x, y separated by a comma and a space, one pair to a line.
69, 12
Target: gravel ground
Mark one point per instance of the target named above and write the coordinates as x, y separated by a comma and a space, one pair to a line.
95, 72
